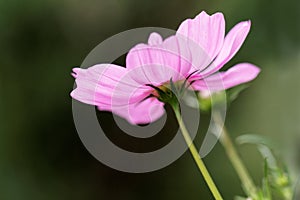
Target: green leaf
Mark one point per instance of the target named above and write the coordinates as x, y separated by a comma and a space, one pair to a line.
266, 152
276, 178
254, 139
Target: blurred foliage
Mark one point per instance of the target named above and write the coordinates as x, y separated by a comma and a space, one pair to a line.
276, 182
41, 156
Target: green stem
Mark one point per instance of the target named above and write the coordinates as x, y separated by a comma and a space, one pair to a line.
236, 161
196, 155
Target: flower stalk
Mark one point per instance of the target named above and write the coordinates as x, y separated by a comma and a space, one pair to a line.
236, 161
200, 164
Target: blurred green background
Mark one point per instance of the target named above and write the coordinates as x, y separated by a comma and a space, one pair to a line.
41, 155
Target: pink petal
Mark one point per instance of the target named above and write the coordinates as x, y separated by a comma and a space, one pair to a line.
160, 62
98, 84
238, 74
110, 88
155, 39
232, 43
146, 111
206, 31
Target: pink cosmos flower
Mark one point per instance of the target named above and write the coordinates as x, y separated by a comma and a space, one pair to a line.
193, 56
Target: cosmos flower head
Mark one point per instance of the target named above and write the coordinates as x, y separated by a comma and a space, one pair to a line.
190, 59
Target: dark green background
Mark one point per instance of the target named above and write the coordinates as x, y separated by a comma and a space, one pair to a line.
41, 155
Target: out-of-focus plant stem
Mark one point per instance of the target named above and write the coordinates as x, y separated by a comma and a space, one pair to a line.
236, 161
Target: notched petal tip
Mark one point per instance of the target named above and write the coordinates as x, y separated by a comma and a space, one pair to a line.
207, 31
155, 39
216, 14
246, 23
219, 16
204, 14
75, 72
74, 75
242, 28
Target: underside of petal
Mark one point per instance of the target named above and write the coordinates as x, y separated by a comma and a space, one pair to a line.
206, 31
110, 88
160, 62
98, 84
238, 74
143, 112
232, 43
